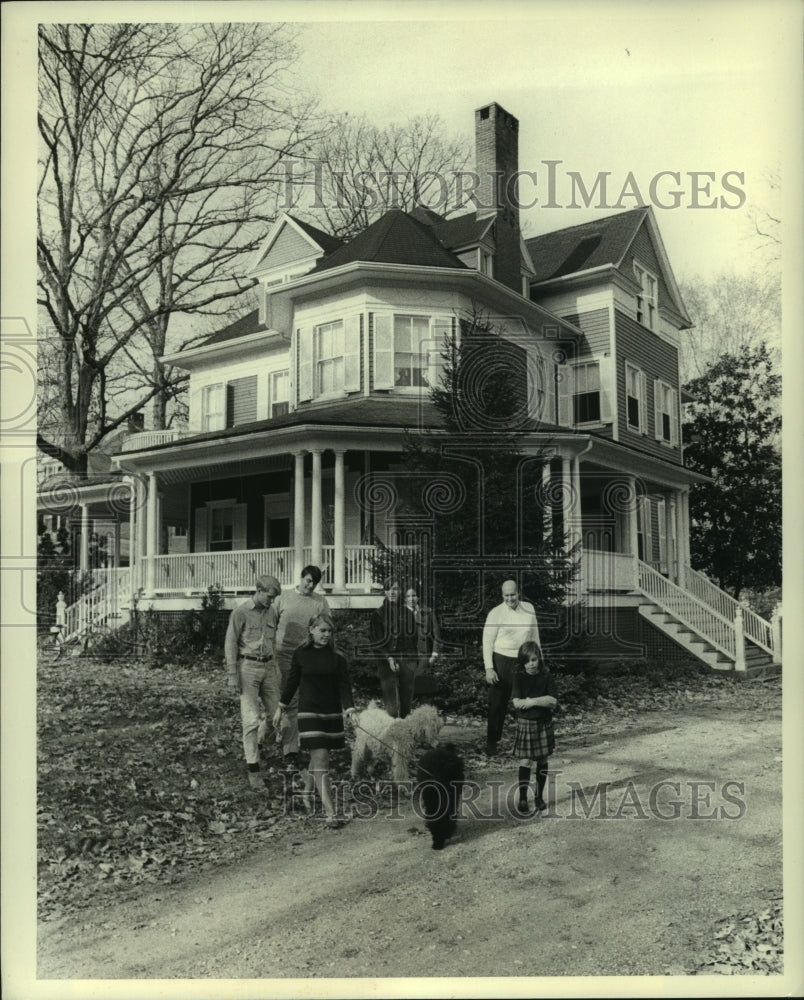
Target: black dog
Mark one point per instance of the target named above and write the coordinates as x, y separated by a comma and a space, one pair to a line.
440, 776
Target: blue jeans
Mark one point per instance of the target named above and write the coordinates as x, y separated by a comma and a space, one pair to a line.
259, 682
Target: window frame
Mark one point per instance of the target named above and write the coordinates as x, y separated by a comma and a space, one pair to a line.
647, 299
333, 359
660, 388
273, 402
641, 399
430, 361
207, 414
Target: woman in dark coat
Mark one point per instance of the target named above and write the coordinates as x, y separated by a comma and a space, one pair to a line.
397, 667
421, 622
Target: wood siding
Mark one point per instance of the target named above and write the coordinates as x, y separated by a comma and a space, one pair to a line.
596, 334
287, 248
641, 251
657, 359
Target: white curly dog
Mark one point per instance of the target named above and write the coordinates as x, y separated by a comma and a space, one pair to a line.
378, 736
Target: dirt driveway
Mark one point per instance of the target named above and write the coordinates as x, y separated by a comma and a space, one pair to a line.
561, 895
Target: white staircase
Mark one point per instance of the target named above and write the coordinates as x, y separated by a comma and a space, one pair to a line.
98, 611
709, 623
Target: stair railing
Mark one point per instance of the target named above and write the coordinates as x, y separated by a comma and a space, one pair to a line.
755, 627
688, 609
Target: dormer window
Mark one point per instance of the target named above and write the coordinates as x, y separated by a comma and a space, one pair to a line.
646, 300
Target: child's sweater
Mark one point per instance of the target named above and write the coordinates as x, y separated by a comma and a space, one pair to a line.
527, 685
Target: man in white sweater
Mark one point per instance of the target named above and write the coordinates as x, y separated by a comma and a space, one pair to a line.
507, 626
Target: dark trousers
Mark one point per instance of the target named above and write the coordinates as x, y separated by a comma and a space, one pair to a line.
397, 688
499, 696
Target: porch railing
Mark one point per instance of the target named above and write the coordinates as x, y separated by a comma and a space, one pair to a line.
705, 621
608, 571
108, 591
149, 439
236, 570
755, 627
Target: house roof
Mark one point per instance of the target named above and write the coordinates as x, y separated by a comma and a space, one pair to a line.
250, 323
327, 242
587, 245
464, 230
395, 238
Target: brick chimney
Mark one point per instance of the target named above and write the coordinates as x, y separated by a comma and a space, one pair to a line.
496, 160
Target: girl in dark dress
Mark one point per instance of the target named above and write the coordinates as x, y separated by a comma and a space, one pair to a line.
321, 676
534, 696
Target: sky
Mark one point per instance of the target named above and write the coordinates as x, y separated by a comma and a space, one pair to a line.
640, 89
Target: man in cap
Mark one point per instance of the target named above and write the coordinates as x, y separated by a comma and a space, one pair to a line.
252, 672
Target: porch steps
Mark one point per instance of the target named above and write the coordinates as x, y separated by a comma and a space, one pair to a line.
759, 664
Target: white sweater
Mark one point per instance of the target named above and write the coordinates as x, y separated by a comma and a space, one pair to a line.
506, 629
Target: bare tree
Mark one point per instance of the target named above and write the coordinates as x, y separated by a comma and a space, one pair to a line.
732, 313
363, 170
159, 170
766, 222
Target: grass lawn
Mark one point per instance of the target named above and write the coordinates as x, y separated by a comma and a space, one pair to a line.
141, 777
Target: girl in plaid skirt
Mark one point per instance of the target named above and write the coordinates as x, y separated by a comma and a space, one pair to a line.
534, 697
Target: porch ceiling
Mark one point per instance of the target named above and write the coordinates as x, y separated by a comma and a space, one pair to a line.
224, 470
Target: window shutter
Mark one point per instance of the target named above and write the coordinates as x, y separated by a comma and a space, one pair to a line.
565, 391
351, 354
383, 351
200, 540
239, 535
605, 366
675, 424
304, 354
241, 401
643, 403
194, 408
657, 409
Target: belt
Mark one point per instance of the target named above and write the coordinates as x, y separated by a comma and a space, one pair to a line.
257, 659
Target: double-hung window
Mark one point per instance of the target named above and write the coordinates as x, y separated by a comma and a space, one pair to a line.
583, 391
329, 358
665, 399
635, 399
213, 407
646, 300
408, 350
586, 395
280, 393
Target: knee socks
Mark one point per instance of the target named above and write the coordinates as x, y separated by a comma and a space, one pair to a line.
541, 776
524, 781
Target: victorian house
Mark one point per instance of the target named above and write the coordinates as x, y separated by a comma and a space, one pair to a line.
298, 411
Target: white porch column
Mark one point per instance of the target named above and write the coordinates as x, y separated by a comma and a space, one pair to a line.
315, 510
681, 547
577, 521
132, 528
547, 510
116, 545
83, 564
298, 514
151, 530
670, 554
566, 500
339, 574
142, 518
685, 504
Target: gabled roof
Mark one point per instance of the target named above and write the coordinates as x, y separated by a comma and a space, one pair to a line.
600, 243
326, 241
395, 238
250, 323
464, 230
301, 240
582, 247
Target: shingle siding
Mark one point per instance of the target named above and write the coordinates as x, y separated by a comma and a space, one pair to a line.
657, 359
